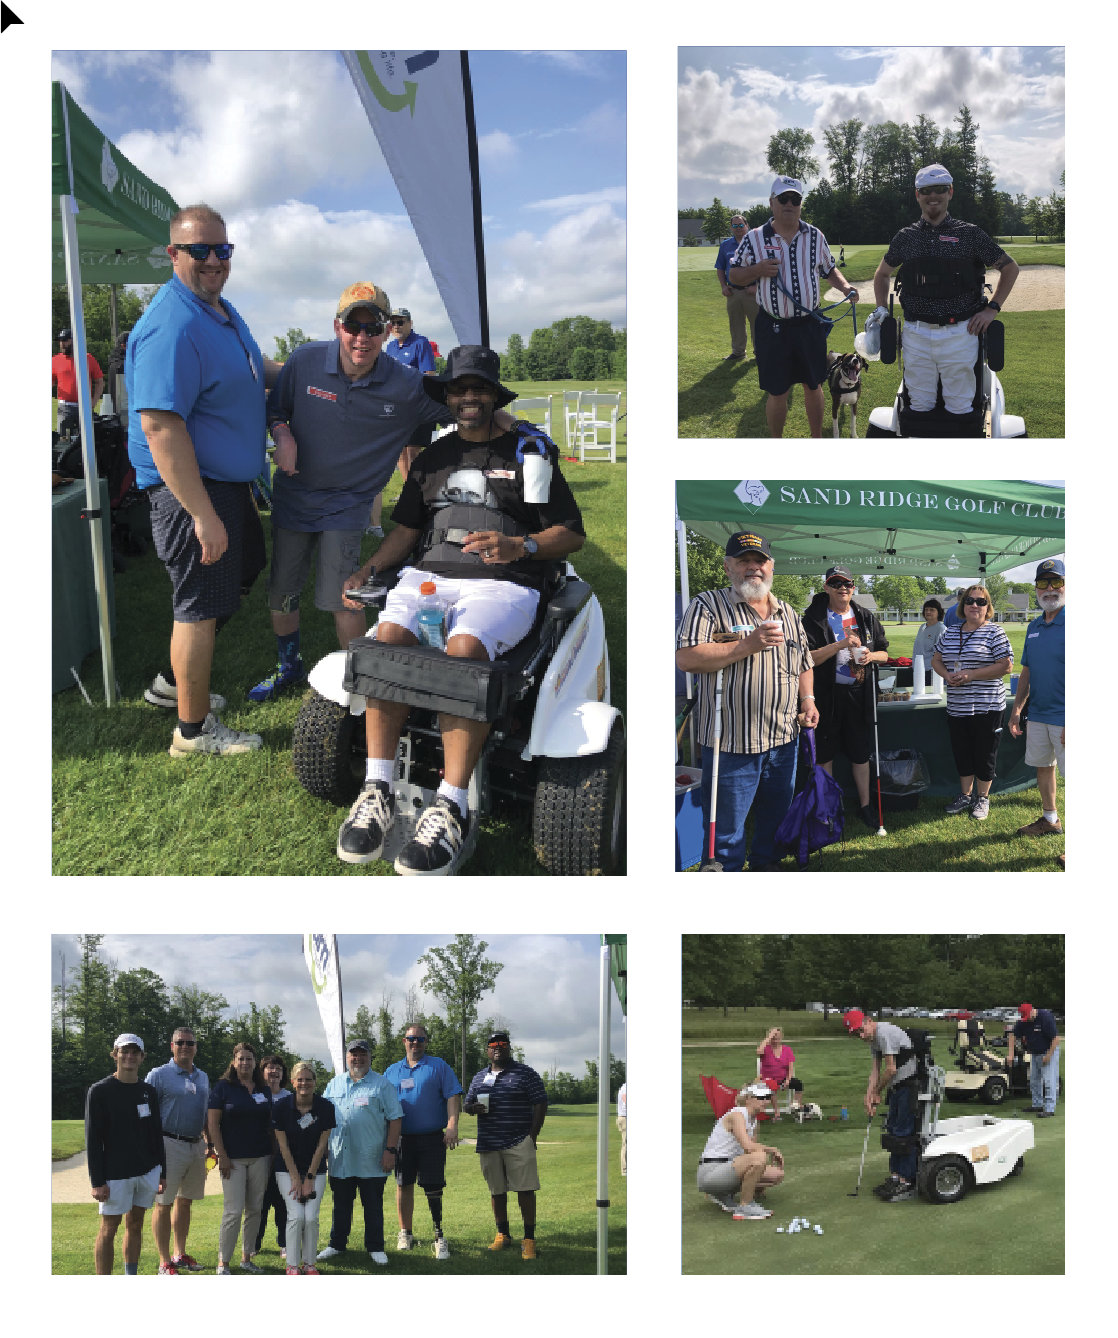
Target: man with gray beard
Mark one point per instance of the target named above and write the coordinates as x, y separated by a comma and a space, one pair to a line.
760, 646
1041, 684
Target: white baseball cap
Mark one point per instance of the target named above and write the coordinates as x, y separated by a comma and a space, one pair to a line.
935, 174
781, 184
761, 1090
128, 1038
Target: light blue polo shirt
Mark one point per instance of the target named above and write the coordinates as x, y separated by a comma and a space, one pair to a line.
183, 1098
424, 1098
415, 351
364, 1110
1044, 658
201, 363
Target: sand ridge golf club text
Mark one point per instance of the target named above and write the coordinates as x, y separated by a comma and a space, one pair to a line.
925, 501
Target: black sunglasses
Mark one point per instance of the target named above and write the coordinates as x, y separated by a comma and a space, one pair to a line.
353, 327
934, 190
399, 320
184, 1042
416, 1040
841, 585
789, 197
200, 250
970, 599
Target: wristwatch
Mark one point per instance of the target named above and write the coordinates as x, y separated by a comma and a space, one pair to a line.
531, 548
995, 305
392, 1150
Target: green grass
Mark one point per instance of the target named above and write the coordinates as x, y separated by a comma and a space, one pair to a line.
566, 1225
720, 399
123, 806
66, 1138
862, 260
1014, 1226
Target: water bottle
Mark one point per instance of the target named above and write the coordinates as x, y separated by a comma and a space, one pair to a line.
432, 617
845, 1113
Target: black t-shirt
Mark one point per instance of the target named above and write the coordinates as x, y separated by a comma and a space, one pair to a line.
303, 1130
484, 474
246, 1118
123, 1132
950, 240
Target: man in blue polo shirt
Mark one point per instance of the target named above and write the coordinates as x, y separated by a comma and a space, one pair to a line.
184, 1094
196, 383
413, 350
1041, 684
431, 1097
510, 1102
1036, 1030
741, 302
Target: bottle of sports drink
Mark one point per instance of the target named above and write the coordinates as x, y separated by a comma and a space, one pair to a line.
432, 617
211, 1162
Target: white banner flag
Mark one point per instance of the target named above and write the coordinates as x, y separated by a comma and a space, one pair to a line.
321, 952
420, 106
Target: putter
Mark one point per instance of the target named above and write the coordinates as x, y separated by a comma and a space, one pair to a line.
877, 760
854, 1192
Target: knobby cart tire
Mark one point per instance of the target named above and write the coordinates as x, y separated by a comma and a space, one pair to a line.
326, 763
579, 813
945, 1180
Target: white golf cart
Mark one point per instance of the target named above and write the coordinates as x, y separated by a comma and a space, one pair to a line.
555, 740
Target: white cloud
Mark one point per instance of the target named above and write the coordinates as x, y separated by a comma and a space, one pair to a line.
561, 204
722, 136
497, 149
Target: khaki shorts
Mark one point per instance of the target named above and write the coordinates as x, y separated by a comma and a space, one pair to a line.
1042, 745
339, 556
511, 1168
186, 1171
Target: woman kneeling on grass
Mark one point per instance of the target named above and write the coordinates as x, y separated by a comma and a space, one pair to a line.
303, 1130
734, 1162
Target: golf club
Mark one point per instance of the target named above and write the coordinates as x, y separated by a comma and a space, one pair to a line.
854, 1192
717, 753
877, 758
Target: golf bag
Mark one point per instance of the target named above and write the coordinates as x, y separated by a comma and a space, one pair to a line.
815, 818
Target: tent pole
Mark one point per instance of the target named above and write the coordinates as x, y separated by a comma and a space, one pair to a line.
685, 596
68, 208
603, 1110
114, 333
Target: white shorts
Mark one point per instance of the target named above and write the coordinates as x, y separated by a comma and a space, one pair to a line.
1042, 745
949, 353
498, 613
124, 1195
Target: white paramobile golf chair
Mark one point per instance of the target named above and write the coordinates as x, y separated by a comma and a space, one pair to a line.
530, 409
597, 413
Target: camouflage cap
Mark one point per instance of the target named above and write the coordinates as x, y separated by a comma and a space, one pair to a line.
363, 295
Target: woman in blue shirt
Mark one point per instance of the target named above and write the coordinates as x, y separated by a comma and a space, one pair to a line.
240, 1125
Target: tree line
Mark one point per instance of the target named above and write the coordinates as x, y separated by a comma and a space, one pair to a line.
96, 1001
868, 189
576, 348
871, 971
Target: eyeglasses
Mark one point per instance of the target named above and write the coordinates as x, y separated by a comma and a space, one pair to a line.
789, 197
934, 190
352, 327
840, 585
738, 227
184, 1043
1055, 583
970, 599
200, 250
416, 1040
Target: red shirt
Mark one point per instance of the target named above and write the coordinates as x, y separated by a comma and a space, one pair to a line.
62, 375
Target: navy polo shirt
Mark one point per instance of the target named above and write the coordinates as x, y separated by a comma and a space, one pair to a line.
512, 1094
200, 362
183, 1098
1038, 1033
246, 1118
1043, 656
415, 351
424, 1096
303, 1131
348, 434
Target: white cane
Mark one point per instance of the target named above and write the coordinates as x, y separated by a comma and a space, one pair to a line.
877, 754
717, 754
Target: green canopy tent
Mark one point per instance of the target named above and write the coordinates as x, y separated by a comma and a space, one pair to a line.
109, 224
614, 966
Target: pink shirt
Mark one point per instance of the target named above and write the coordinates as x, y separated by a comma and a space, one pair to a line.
771, 1067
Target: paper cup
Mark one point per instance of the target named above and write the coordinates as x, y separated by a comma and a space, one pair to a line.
483, 1101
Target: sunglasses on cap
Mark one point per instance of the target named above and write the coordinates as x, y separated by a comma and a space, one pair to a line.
1053, 583
934, 190
352, 327
975, 599
789, 197
200, 250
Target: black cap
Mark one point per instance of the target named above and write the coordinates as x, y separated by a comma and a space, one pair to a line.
470, 360
65, 334
359, 1045
747, 542
499, 1036
838, 571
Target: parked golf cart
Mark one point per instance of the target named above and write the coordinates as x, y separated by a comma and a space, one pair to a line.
555, 741
980, 1070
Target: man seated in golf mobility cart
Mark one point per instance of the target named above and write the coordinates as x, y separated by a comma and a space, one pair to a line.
735, 1167
492, 517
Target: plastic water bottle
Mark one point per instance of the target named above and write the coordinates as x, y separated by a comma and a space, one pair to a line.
845, 1113
432, 617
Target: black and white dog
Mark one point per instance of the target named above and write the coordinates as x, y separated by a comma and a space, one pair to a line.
844, 376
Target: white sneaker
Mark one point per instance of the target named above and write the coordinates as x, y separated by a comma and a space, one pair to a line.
215, 738
405, 1240
442, 1249
378, 1257
162, 693
328, 1253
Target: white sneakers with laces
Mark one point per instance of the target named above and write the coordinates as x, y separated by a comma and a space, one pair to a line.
216, 739
440, 836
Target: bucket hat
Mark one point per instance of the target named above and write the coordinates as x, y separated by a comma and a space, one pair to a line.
470, 360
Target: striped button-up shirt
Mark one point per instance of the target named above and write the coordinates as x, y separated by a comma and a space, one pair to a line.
760, 694
802, 261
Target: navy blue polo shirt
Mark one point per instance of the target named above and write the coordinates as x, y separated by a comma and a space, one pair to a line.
1038, 1033
423, 1092
303, 1131
512, 1094
1043, 656
246, 1118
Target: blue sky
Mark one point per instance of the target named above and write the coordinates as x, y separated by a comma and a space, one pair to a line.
279, 144
547, 994
732, 99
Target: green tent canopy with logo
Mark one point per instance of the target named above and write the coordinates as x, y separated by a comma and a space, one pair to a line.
911, 528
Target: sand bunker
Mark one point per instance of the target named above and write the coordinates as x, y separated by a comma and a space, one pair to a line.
1038, 288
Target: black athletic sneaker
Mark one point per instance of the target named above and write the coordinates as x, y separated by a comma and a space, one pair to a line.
437, 845
900, 1191
869, 817
361, 838
962, 803
885, 1189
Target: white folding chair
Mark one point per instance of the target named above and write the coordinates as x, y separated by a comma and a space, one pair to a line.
598, 413
783, 1099
571, 401
525, 408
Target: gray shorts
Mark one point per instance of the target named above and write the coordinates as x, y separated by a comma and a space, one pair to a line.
339, 556
717, 1177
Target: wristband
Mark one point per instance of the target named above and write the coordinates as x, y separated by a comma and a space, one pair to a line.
809, 698
392, 1150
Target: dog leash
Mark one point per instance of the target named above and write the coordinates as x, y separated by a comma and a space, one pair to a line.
816, 313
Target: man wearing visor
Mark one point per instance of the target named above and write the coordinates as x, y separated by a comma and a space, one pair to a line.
788, 257
945, 262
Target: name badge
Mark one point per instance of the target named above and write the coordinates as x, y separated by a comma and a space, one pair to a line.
1033, 636
306, 1121
259, 1098
321, 394
142, 1110
406, 1084
191, 1089
500, 473
489, 1080
360, 1100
